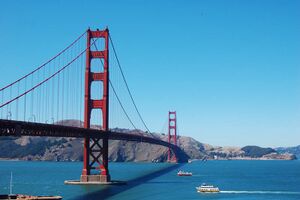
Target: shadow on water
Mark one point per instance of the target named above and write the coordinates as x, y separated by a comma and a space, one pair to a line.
111, 190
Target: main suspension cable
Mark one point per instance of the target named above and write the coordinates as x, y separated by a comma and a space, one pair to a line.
47, 79
32, 72
126, 84
110, 83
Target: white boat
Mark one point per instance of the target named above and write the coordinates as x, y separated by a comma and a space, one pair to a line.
183, 173
207, 188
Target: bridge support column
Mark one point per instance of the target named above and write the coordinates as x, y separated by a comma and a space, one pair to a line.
95, 155
172, 134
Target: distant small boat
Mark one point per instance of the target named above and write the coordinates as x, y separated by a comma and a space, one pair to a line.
28, 197
183, 173
24, 197
207, 188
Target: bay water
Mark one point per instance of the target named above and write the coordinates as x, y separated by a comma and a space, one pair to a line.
239, 180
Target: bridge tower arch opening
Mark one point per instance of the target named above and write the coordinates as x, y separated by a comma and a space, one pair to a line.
172, 135
95, 153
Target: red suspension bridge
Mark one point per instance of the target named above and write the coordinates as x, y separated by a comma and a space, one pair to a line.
38, 103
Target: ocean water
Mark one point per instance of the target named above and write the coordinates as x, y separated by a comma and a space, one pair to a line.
238, 180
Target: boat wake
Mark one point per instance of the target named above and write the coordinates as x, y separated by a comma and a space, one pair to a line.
259, 192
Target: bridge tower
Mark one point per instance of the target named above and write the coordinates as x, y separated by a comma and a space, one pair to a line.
172, 135
95, 154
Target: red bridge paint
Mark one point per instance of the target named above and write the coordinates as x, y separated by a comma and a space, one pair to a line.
172, 135
95, 167
21, 128
95, 148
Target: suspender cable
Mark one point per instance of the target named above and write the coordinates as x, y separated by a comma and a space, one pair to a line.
123, 76
62, 85
52, 92
45, 80
24, 102
31, 109
17, 108
58, 90
1, 103
38, 100
110, 83
32, 72
10, 94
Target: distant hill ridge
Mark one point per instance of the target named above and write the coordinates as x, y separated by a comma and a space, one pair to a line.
292, 150
71, 149
256, 152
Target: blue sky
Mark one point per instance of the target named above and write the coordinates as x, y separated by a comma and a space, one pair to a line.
231, 69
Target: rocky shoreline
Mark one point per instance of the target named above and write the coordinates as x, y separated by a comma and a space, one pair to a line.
266, 157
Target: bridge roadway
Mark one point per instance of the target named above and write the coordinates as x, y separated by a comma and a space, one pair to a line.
20, 128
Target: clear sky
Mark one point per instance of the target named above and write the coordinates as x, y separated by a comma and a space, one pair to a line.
230, 68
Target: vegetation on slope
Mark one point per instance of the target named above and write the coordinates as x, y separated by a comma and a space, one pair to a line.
256, 152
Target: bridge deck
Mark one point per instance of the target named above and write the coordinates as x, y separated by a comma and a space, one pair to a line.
20, 128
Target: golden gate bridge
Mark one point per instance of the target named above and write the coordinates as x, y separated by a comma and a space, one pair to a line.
78, 83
